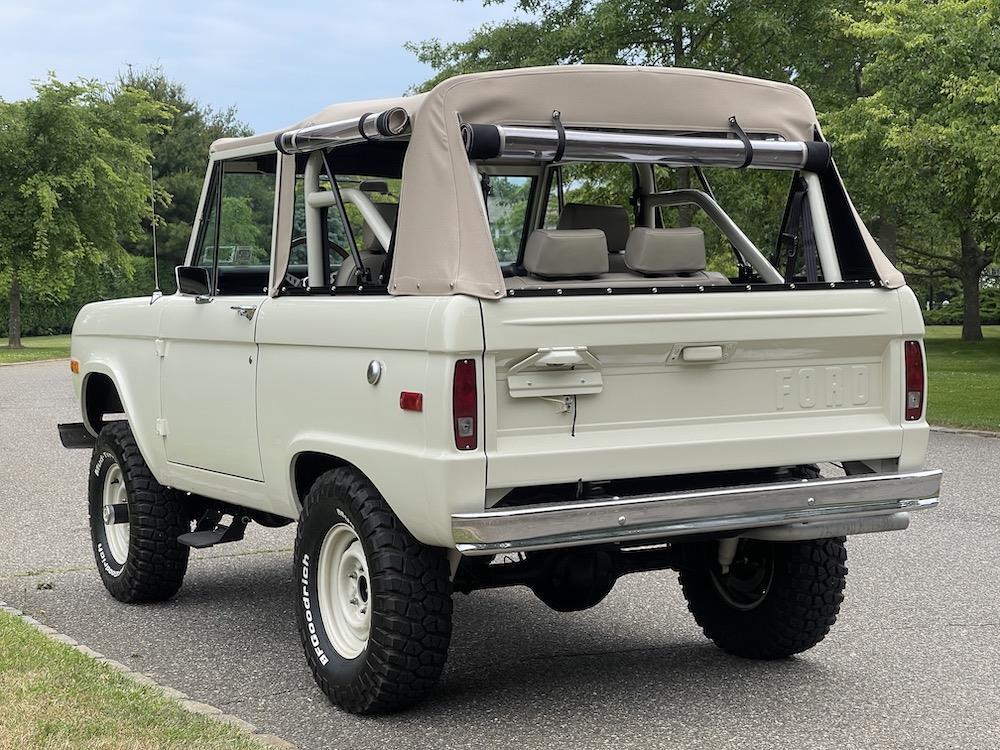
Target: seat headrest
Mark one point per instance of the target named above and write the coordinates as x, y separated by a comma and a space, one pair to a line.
612, 220
566, 253
369, 241
655, 252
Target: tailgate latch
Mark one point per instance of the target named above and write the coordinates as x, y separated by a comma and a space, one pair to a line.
556, 371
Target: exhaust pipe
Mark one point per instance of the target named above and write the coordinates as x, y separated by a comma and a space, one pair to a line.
374, 126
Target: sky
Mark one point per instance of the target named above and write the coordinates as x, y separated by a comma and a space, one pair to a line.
275, 61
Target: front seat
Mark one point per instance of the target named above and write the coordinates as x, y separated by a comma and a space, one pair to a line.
373, 255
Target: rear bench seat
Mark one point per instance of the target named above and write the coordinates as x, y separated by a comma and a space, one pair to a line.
612, 220
560, 258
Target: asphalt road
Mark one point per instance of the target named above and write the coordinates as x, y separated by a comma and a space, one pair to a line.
913, 663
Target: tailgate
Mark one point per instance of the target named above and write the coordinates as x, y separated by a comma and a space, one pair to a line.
604, 387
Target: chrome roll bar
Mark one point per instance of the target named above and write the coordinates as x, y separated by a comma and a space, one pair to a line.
515, 143
390, 123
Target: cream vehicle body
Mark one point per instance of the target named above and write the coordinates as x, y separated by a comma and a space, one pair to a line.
517, 388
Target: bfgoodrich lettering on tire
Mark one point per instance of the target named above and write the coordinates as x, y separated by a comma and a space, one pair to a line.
373, 604
134, 522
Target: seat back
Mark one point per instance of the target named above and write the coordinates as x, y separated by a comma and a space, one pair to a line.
389, 212
612, 220
665, 252
566, 253
373, 255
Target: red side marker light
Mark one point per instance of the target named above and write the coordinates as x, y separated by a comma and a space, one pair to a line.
411, 401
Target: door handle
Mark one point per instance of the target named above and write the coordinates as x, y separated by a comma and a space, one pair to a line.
701, 353
712, 353
244, 311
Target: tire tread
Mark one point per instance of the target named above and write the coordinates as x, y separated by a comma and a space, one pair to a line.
797, 613
411, 624
157, 562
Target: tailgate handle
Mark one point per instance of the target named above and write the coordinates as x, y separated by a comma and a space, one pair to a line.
556, 371
712, 353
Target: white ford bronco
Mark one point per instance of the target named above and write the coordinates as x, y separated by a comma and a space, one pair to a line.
420, 329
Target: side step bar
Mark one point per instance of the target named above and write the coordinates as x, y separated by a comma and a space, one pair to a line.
75, 435
808, 507
210, 532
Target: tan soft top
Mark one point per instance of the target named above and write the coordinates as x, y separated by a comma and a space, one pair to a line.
443, 241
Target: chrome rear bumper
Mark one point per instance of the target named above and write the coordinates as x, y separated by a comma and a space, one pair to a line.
818, 506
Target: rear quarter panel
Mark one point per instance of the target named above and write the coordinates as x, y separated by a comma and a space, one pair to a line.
314, 396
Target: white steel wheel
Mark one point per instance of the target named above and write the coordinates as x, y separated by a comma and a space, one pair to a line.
344, 591
114, 499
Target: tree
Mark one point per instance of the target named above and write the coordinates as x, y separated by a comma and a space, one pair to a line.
74, 185
180, 157
922, 137
775, 39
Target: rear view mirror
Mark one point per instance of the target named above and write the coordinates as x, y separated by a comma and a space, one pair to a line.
374, 186
193, 280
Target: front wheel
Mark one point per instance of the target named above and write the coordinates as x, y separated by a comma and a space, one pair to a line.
134, 522
776, 598
374, 604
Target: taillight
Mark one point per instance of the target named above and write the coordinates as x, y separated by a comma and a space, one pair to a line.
914, 364
464, 405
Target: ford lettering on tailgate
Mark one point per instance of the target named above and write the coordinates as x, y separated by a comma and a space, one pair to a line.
807, 387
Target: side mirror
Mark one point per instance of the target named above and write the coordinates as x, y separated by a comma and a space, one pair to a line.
194, 280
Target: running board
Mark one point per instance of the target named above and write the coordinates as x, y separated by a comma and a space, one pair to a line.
75, 435
219, 533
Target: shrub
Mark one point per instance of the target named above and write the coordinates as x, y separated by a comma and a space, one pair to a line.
40, 317
951, 315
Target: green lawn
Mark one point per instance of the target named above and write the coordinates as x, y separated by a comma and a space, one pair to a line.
964, 378
36, 348
53, 697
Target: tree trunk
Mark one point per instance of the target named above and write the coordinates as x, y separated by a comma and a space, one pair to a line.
887, 238
972, 269
14, 320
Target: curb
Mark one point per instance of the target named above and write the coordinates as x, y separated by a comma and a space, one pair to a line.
957, 431
34, 362
185, 701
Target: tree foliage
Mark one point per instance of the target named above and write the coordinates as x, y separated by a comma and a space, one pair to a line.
920, 143
180, 157
73, 185
775, 39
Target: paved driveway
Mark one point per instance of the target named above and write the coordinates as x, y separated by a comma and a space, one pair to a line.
913, 663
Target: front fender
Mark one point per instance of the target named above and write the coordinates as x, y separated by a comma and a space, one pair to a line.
117, 339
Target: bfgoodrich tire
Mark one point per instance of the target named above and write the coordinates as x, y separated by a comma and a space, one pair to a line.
777, 599
134, 522
374, 604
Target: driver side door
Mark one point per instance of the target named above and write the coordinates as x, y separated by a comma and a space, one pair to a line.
208, 371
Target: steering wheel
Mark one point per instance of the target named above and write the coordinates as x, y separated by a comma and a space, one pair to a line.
295, 281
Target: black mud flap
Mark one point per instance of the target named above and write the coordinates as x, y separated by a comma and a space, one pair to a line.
75, 435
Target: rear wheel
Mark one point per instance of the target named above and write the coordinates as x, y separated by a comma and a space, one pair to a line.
134, 522
776, 598
374, 604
